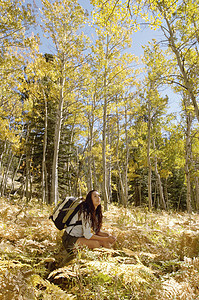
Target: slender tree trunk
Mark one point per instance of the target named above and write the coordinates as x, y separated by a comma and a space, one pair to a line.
149, 158
162, 200
155, 201
109, 165
31, 172
90, 156
188, 155
70, 188
197, 193
104, 133
94, 174
28, 157
187, 172
122, 191
54, 187
6, 173
179, 200
95, 183
2, 170
166, 194
104, 184
2, 154
44, 182
127, 158
14, 175
90, 174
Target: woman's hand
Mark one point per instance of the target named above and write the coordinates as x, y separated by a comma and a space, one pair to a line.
107, 237
111, 239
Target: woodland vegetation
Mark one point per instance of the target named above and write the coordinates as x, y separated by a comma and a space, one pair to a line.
156, 256
88, 114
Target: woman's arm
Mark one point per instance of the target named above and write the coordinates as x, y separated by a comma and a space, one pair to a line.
103, 236
102, 233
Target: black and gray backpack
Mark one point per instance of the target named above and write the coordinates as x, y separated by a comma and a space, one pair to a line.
65, 211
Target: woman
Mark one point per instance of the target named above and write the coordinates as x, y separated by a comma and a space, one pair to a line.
89, 232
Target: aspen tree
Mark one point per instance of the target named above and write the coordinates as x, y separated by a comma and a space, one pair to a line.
155, 65
62, 20
16, 43
122, 190
113, 36
188, 150
178, 21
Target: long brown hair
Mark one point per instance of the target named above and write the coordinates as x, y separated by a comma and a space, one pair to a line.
90, 214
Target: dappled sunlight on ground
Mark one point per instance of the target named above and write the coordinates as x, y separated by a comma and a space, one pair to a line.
155, 256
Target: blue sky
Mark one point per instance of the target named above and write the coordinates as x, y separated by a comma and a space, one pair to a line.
139, 39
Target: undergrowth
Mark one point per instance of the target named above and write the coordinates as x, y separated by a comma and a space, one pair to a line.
155, 257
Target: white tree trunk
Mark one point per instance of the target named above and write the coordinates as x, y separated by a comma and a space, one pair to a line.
122, 190
149, 158
188, 151
54, 185
27, 182
197, 192
104, 184
104, 133
162, 200
127, 158
90, 156
44, 182
109, 165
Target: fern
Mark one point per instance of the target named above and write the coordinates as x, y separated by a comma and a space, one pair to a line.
155, 257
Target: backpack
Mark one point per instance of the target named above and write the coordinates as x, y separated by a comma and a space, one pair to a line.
65, 211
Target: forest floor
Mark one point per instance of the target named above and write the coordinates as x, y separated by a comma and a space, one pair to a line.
156, 256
